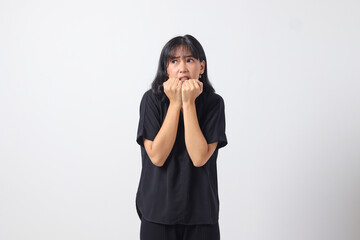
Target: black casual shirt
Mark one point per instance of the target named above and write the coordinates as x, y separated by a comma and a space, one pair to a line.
178, 192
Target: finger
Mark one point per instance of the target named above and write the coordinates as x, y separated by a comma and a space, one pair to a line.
190, 84
179, 84
176, 81
194, 84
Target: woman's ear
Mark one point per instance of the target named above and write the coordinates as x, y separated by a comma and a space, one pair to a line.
202, 67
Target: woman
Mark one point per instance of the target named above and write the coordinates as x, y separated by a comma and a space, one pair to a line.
181, 128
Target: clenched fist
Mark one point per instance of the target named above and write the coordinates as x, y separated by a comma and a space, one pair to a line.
172, 89
190, 90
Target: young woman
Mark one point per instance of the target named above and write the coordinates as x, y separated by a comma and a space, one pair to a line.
181, 128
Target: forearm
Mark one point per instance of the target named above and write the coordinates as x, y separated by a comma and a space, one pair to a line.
195, 141
165, 138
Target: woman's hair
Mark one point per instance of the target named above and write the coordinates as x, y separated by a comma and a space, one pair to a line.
168, 52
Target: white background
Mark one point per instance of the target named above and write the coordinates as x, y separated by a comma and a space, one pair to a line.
72, 74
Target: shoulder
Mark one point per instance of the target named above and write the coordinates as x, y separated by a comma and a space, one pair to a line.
149, 98
147, 94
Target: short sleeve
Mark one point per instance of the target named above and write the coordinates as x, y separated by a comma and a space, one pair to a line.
149, 120
214, 123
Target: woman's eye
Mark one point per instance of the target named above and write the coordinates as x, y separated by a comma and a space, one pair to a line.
173, 61
191, 60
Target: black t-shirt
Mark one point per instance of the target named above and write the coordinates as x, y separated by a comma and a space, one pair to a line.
178, 192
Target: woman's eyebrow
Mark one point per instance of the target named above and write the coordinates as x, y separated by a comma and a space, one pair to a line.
179, 56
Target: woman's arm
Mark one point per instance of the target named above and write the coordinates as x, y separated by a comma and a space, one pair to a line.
159, 149
199, 150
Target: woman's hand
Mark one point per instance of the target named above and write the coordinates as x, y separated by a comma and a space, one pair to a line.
191, 89
172, 89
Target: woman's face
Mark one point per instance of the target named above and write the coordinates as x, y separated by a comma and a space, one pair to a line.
184, 66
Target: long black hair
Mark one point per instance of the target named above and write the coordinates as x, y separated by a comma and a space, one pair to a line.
167, 52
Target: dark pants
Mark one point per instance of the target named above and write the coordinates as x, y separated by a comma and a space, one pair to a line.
156, 231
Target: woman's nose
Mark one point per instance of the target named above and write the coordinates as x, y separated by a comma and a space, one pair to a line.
183, 67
